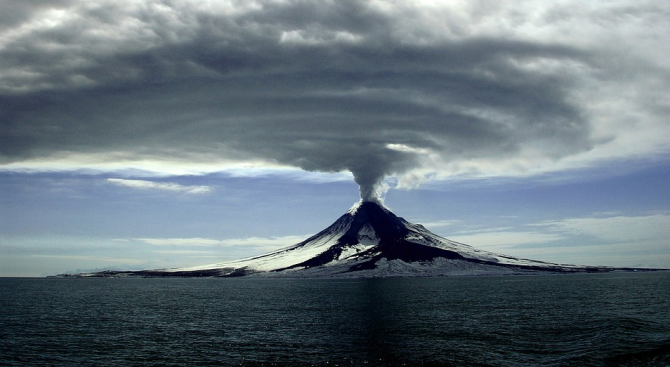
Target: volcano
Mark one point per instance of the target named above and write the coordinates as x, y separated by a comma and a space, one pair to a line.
369, 241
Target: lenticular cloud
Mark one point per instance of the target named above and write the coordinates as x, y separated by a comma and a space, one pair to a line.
375, 88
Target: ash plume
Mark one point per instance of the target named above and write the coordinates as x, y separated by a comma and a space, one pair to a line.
379, 91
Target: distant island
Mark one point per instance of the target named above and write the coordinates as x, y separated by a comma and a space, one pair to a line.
369, 241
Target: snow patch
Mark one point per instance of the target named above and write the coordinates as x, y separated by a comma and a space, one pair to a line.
367, 236
350, 251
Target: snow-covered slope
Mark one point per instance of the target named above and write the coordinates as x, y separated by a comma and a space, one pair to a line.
369, 241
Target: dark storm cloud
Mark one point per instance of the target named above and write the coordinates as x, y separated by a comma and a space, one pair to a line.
15, 13
324, 86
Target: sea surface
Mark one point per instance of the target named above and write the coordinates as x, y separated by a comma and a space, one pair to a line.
614, 319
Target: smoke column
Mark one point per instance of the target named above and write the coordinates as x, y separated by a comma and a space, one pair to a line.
372, 192
375, 162
370, 184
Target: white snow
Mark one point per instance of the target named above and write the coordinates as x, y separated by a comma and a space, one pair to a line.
352, 250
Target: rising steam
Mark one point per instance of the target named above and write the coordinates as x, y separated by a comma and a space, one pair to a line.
377, 161
373, 192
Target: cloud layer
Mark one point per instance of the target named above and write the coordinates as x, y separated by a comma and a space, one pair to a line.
406, 89
167, 186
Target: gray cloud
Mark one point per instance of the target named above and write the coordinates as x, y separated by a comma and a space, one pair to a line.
321, 86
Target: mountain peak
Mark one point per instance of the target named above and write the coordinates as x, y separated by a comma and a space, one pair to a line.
369, 215
366, 205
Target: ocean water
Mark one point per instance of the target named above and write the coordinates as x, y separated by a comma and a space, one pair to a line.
616, 319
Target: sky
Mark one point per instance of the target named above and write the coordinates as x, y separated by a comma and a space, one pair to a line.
144, 134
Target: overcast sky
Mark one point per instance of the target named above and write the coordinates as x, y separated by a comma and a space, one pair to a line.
146, 133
